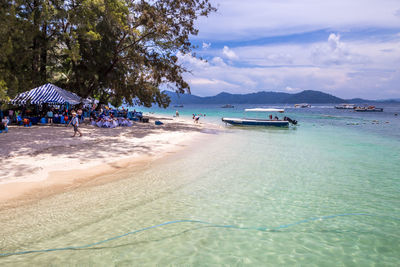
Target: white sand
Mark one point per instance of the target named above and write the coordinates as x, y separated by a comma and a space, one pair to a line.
38, 159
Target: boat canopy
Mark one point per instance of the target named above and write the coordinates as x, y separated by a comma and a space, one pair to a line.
265, 110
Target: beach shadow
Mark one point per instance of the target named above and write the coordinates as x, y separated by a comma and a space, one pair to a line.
38, 142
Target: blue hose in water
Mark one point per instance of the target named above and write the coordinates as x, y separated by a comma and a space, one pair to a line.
264, 229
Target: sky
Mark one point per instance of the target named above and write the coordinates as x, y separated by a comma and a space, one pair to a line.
348, 48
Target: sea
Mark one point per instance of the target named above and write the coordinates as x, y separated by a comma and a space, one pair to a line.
325, 192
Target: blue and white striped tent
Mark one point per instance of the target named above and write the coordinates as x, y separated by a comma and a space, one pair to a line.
48, 93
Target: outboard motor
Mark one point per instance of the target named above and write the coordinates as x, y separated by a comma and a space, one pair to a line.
294, 122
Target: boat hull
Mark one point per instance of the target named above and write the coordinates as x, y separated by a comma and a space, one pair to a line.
255, 122
337, 107
369, 110
345, 106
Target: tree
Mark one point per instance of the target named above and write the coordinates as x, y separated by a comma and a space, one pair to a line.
125, 49
3, 92
114, 50
28, 30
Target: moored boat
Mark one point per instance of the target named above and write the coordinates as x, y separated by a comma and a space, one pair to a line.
228, 106
368, 109
302, 105
261, 122
346, 106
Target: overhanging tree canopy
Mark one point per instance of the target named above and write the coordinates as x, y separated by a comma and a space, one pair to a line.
89, 46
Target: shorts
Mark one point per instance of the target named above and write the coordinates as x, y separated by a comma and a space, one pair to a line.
75, 128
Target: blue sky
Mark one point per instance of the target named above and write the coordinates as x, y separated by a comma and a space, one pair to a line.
342, 47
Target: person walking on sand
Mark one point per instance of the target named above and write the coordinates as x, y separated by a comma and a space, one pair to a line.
75, 122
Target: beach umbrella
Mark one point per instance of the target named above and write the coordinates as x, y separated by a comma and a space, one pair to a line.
48, 93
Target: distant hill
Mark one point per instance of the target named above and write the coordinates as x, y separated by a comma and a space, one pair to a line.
263, 97
392, 100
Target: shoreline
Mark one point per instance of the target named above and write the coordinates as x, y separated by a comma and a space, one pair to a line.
46, 166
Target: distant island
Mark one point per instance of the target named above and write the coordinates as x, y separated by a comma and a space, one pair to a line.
263, 97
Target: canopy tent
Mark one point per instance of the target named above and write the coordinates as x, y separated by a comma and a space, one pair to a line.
47, 93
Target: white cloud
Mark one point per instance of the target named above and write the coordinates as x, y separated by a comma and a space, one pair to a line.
237, 19
218, 61
346, 69
206, 45
342, 64
191, 61
335, 52
229, 53
291, 89
334, 41
204, 81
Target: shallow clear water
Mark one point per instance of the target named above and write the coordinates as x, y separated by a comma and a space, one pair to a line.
332, 163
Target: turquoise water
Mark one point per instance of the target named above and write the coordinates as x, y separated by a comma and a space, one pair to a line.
332, 163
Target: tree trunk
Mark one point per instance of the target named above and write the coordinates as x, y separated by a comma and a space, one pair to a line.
36, 42
43, 54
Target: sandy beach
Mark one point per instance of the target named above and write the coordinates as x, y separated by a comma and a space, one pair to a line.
43, 160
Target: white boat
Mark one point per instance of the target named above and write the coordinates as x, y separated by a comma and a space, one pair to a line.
368, 109
346, 106
302, 105
261, 122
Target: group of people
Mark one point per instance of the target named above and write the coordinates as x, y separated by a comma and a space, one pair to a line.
54, 115
111, 122
109, 118
27, 115
275, 118
196, 117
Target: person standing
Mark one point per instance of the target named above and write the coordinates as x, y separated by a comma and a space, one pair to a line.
18, 118
11, 115
50, 116
80, 114
75, 123
5, 123
66, 117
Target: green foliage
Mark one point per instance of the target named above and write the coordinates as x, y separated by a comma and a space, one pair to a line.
115, 50
3, 92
